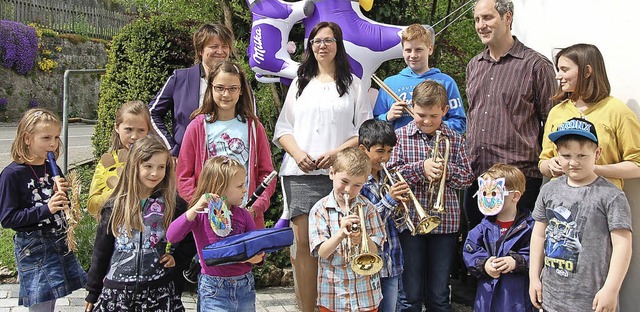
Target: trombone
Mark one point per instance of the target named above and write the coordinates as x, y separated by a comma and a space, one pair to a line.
363, 261
393, 95
401, 216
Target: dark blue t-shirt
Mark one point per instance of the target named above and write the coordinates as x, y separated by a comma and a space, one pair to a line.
25, 191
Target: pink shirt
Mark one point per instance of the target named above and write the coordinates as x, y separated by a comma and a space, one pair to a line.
203, 234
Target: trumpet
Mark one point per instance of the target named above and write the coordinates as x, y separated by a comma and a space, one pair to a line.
436, 196
400, 215
393, 95
426, 223
363, 261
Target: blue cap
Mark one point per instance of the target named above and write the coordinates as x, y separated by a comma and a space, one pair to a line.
575, 126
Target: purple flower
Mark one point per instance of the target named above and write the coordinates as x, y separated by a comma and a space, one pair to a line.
18, 46
3, 103
33, 103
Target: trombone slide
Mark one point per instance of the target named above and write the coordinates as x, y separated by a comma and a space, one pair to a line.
393, 95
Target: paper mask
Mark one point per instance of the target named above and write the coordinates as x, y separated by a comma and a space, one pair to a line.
219, 216
491, 194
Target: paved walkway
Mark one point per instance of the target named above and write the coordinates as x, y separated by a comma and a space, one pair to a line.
271, 299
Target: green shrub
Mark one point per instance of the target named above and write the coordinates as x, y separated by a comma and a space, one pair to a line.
141, 58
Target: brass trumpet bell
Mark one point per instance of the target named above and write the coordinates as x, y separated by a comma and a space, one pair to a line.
363, 261
428, 224
366, 264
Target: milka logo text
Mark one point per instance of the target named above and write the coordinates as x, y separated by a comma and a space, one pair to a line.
258, 50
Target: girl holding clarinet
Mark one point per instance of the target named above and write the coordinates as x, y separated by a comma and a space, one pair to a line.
32, 204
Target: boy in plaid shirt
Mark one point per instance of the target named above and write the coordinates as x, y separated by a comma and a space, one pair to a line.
330, 221
425, 278
377, 139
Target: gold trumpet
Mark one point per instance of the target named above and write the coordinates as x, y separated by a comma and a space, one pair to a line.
400, 215
436, 197
426, 223
393, 95
363, 261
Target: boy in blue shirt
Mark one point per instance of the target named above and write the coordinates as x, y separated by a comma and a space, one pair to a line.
496, 251
417, 45
377, 139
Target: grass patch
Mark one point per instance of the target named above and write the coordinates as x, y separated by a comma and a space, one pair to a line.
6, 250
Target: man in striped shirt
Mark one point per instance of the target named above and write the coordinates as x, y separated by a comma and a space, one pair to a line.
509, 89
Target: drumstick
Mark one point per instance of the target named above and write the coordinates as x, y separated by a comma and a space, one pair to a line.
393, 95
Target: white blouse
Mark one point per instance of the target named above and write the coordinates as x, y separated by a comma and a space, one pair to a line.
320, 120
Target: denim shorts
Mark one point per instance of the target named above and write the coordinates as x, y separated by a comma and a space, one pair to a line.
47, 270
235, 293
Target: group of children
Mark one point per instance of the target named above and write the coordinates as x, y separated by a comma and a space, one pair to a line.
580, 230
143, 238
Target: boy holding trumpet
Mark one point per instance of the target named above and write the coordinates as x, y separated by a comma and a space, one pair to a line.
343, 227
417, 45
425, 278
377, 139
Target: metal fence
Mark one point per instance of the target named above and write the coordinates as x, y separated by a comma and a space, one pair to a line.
65, 18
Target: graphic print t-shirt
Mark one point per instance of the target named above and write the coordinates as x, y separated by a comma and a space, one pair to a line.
577, 247
229, 138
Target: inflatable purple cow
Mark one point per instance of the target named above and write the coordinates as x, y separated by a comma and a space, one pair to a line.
368, 43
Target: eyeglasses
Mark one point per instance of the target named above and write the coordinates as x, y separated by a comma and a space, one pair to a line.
327, 41
221, 89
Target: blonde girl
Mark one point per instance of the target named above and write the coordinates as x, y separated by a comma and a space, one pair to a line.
32, 205
131, 266
133, 122
226, 125
226, 287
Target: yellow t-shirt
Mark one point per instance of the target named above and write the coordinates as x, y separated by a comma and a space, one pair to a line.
105, 178
617, 127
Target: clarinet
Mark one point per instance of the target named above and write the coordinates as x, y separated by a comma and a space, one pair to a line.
56, 176
263, 186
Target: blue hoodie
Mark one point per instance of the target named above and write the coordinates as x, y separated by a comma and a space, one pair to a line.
404, 82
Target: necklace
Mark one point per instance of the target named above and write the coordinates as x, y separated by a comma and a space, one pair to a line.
35, 174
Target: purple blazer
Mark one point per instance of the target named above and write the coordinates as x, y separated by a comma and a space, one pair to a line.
180, 95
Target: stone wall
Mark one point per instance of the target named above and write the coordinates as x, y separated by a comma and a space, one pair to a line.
45, 89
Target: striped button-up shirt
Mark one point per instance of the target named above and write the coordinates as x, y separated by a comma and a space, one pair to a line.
509, 101
391, 251
339, 287
413, 147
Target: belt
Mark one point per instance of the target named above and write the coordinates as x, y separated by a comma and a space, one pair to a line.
40, 230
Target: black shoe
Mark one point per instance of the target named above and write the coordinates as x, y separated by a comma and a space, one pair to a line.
191, 274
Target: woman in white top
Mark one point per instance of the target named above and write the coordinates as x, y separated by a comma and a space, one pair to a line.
321, 115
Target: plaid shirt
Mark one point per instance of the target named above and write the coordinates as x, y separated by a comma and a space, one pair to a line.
391, 251
339, 288
413, 147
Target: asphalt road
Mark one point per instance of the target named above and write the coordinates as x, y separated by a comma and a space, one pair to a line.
79, 149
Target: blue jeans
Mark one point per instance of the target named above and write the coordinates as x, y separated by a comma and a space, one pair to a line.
390, 289
428, 260
47, 270
235, 293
